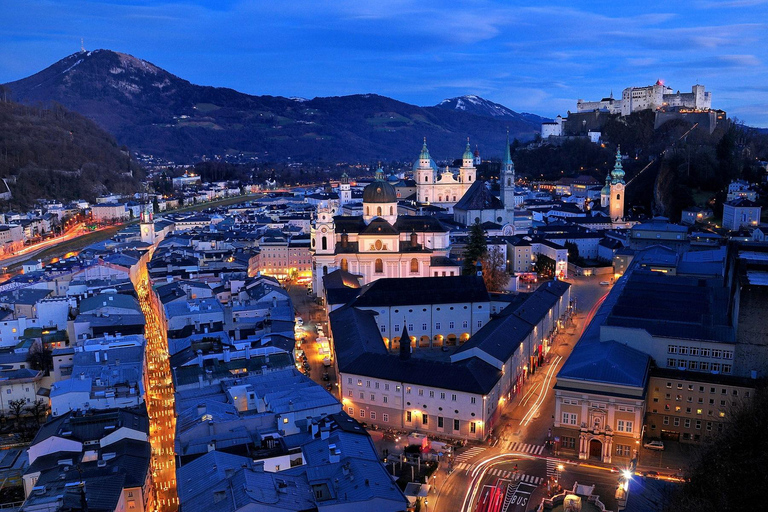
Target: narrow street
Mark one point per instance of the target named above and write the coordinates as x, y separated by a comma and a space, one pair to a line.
160, 403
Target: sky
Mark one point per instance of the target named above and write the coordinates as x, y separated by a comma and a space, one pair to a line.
537, 57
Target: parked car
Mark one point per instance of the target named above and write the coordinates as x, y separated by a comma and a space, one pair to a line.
654, 445
605, 283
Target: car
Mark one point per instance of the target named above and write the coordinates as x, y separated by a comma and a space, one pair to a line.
654, 445
605, 283
650, 474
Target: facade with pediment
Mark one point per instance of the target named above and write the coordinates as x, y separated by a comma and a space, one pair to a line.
443, 188
380, 242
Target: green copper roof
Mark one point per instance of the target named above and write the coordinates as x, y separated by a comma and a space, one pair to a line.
606, 190
468, 152
424, 151
617, 175
507, 154
379, 174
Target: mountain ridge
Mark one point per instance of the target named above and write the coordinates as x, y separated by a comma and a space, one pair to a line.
156, 112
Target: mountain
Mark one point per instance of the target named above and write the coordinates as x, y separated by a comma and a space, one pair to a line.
481, 107
155, 112
53, 153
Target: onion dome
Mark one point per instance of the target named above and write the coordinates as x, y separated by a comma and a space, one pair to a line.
379, 191
468, 152
606, 190
617, 175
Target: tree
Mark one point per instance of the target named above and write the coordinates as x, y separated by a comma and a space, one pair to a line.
40, 357
495, 273
737, 454
16, 407
37, 409
476, 247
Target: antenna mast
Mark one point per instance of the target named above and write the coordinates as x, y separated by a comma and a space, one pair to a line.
82, 46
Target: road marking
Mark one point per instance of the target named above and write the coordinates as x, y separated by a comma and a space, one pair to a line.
525, 448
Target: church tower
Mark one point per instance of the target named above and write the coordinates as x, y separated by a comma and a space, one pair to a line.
617, 189
425, 173
147, 225
478, 160
345, 193
507, 179
605, 192
467, 172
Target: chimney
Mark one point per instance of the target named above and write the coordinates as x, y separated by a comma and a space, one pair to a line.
334, 454
247, 351
414, 239
199, 358
227, 357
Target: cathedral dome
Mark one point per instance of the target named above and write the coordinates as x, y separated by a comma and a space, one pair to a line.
379, 191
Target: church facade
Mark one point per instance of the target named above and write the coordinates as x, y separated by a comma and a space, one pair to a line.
443, 188
380, 242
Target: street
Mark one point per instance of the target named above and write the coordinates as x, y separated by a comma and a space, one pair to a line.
160, 403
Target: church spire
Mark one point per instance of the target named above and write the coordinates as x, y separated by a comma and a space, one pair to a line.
617, 175
468, 151
405, 344
424, 151
507, 154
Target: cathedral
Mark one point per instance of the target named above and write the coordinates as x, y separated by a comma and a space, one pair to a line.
380, 242
443, 188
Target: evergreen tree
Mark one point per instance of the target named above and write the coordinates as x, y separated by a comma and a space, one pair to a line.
475, 249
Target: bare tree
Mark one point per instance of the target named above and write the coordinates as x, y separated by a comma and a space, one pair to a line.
38, 409
495, 272
17, 407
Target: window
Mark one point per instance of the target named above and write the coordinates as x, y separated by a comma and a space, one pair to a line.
709, 426
362, 413
385, 399
424, 419
349, 393
455, 424
385, 417
687, 423
349, 380
472, 427
569, 418
705, 352
379, 266
666, 420
373, 397
351, 411
397, 328
472, 400
568, 442
423, 327
362, 396
682, 350
672, 349
414, 265
479, 323
620, 426
376, 385
383, 328
623, 450
373, 415
407, 390
421, 392
442, 396
450, 325
368, 384
672, 362
437, 326
464, 324
439, 422
453, 398
677, 422
408, 416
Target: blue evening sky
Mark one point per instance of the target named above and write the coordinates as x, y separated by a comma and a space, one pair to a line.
537, 57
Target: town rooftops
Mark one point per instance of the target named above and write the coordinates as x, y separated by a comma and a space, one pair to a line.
478, 197
422, 290
606, 362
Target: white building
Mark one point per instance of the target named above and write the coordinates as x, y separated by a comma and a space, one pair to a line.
651, 97
442, 188
740, 213
109, 212
380, 242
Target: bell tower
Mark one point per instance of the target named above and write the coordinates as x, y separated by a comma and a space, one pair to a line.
617, 189
345, 193
425, 174
468, 173
147, 225
507, 179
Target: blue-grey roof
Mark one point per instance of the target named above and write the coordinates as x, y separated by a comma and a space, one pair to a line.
607, 362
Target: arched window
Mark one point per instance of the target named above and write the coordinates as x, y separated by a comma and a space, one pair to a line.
426, 179
324, 243
618, 196
313, 242
344, 264
391, 210
325, 270
367, 210
379, 266
414, 265
378, 211
509, 182
469, 178
439, 199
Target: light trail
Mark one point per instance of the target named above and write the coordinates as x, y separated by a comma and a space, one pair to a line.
545, 391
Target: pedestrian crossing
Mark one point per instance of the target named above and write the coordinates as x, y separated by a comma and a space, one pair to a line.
476, 450
513, 476
515, 447
552, 467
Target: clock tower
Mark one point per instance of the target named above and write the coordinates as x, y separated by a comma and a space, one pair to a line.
147, 225
617, 189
